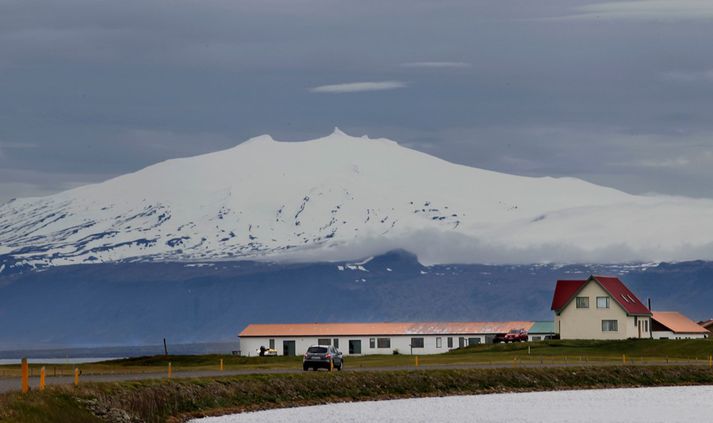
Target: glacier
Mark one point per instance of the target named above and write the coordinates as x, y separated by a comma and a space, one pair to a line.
342, 197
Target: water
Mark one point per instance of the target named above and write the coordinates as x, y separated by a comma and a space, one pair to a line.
66, 360
111, 352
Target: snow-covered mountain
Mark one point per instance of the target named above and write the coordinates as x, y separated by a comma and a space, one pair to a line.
347, 197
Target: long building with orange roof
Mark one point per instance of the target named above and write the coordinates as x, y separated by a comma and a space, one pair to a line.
375, 338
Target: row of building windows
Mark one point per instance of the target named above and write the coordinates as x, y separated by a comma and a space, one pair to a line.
386, 342
583, 302
420, 343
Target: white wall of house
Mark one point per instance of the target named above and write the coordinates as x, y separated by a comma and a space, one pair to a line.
586, 323
665, 334
432, 344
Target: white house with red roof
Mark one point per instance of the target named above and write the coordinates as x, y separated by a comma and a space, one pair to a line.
600, 307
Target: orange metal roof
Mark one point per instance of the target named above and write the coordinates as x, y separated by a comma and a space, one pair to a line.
677, 322
394, 329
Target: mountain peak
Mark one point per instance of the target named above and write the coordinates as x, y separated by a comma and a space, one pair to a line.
338, 132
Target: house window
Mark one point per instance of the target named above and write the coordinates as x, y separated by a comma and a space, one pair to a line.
602, 302
450, 342
372, 342
582, 302
646, 325
383, 342
537, 338
272, 344
610, 326
336, 343
323, 341
439, 342
416, 342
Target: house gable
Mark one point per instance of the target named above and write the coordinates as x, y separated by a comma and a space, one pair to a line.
567, 290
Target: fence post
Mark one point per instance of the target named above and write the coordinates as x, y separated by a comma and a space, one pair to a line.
169, 370
25, 376
416, 358
76, 376
221, 364
623, 358
42, 378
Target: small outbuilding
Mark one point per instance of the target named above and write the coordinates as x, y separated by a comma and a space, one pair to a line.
541, 330
674, 325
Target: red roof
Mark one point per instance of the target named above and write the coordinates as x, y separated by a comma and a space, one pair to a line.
708, 324
566, 290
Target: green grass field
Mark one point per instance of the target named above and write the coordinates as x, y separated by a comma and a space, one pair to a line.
551, 352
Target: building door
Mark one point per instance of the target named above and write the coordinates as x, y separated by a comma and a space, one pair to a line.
354, 346
289, 348
461, 342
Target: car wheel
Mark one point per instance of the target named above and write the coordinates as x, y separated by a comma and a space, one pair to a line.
341, 364
305, 368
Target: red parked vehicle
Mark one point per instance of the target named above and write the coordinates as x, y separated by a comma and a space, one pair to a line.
515, 335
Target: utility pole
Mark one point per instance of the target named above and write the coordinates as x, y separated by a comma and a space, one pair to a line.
651, 329
165, 348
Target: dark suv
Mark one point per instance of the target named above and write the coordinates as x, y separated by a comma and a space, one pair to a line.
322, 356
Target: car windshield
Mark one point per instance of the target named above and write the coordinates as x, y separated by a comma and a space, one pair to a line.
317, 350
515, 331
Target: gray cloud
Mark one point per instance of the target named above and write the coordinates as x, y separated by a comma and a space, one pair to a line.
356, 87
688, 76
657, 10
437, 65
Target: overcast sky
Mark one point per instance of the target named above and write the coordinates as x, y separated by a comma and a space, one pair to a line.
617, 93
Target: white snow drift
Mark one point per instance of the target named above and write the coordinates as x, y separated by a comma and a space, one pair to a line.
640, 405
342, 197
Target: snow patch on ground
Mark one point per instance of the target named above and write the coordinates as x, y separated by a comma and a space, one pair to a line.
640, 405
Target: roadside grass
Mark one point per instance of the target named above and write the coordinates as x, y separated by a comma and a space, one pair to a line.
178, 400
685, 349
55, 405
550, 352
